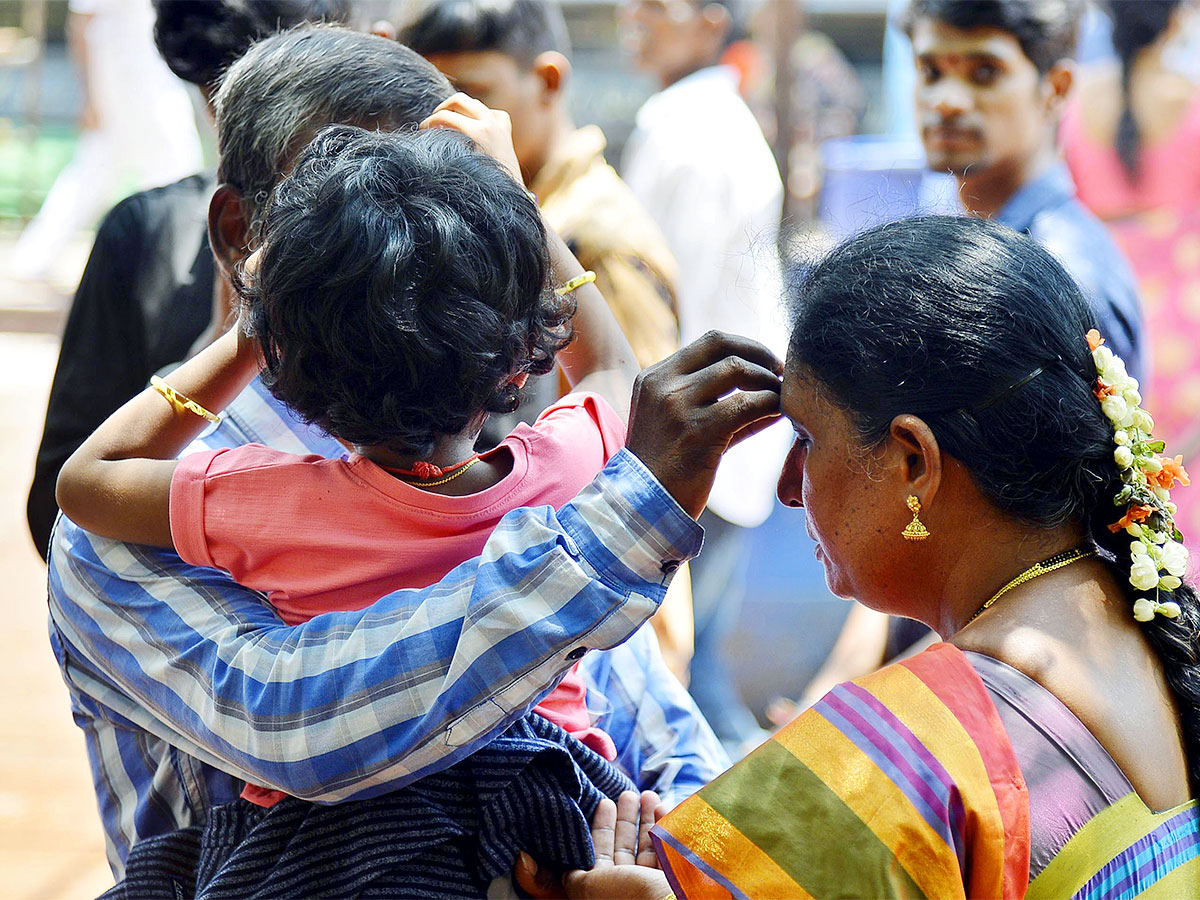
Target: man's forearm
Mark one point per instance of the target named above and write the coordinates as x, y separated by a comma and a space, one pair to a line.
357, 704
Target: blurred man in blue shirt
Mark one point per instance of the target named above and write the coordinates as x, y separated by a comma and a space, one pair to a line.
992, 78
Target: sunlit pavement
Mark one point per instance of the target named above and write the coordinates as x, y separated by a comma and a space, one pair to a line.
51, 845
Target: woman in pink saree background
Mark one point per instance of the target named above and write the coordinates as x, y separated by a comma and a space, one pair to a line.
1131, 137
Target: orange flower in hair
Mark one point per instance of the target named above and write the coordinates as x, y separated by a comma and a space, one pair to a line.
1094, 340
1132, 515
1172, 471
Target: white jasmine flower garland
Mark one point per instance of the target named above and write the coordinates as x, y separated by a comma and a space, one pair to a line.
1159, 557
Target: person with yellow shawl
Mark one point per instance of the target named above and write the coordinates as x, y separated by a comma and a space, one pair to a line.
970, 454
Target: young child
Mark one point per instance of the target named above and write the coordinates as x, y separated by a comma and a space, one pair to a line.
402, 292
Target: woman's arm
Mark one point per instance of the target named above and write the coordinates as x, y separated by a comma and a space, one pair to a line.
600, 358
118, 483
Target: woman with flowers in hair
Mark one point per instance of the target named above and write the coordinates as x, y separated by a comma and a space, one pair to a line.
970, 454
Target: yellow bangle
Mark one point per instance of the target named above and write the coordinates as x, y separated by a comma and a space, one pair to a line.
179, 402
575, 283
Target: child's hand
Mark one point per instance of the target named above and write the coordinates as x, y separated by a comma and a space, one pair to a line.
247, 345
490, 129
626, 866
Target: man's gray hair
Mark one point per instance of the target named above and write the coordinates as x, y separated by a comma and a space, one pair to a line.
275, 99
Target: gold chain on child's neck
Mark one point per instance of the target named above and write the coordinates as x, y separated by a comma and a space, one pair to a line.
463, 468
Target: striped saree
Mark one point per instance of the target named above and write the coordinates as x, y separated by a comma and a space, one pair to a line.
909, 783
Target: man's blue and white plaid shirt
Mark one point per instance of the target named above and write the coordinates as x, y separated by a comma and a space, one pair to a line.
185, 683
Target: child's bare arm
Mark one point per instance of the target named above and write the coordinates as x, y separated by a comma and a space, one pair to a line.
600, 358
118, 483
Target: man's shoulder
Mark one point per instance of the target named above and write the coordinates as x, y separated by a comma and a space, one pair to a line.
1085, 246
703, 118
190, 192
144, 213
1082, 243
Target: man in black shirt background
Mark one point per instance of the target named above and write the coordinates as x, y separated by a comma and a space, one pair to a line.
149, 293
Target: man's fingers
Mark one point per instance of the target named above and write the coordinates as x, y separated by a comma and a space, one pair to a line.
733, 373
755, 425
730, 416
625, 834
716, 345
604, 824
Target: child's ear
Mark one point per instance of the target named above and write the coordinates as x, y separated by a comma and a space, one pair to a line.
519, 380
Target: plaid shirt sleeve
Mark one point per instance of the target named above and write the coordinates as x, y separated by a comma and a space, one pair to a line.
354, 704
662, 738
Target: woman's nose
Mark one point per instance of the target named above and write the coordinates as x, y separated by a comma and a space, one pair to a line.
791, 480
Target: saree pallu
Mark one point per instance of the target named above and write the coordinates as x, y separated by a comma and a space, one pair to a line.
947, 775
900, 784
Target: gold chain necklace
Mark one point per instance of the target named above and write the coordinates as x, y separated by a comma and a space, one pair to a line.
1038, 569
459, 471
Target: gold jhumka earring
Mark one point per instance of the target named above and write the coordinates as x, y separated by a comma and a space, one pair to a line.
915, 530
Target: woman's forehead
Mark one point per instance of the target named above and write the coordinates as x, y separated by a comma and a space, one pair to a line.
802, 398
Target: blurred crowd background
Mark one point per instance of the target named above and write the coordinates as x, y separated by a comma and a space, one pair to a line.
830, 83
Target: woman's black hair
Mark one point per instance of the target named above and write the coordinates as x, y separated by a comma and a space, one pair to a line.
1136, 26
403, 284
947, 319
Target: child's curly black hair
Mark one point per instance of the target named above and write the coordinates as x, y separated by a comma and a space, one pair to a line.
403, 284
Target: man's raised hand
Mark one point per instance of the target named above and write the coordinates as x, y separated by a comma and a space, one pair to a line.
694, 405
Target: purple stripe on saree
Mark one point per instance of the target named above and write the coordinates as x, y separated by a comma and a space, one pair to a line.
1170, 845
662, 835
884, 743
948, 792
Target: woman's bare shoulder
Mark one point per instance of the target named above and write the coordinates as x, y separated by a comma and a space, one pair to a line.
1101, 667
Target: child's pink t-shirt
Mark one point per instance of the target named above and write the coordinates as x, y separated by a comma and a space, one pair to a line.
322, 535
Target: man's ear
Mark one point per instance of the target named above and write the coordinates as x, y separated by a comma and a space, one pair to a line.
1060, 79
554, 71
917, 456
228, 227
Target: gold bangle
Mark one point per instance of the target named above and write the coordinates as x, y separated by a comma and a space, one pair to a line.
575, 283
179, 402
670, 896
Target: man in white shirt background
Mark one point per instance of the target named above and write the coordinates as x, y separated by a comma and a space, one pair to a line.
699, 163
138, 129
